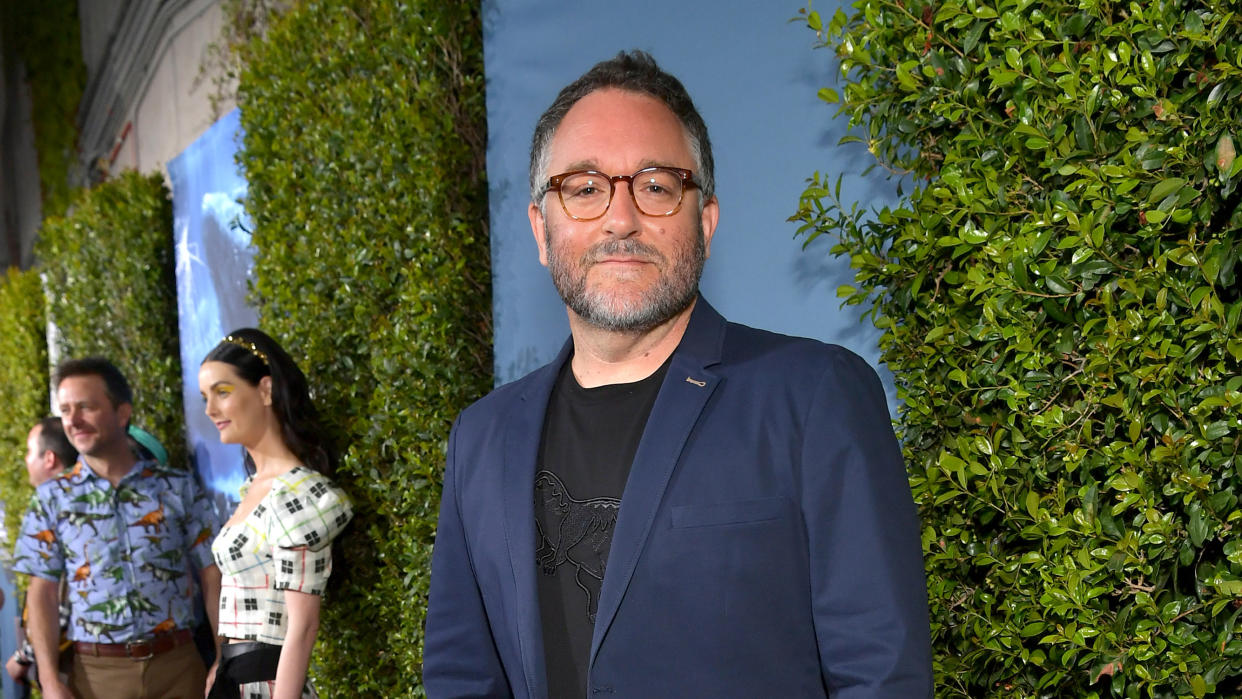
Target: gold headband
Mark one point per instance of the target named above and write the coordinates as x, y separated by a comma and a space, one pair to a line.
247, 345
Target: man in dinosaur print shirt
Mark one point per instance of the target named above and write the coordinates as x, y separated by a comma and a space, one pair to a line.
124, 532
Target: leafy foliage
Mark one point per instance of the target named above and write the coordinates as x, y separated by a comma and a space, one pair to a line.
108, 268
364, 145
23, 385
1060, 301
45, 35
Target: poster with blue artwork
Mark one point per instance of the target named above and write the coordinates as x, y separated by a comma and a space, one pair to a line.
214, 261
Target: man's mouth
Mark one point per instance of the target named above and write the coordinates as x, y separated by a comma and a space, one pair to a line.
622, 261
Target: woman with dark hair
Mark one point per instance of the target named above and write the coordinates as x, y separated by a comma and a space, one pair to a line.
274, 553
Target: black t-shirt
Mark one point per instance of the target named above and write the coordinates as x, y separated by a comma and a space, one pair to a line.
590, 436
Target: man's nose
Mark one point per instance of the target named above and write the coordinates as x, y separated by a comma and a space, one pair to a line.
623, 217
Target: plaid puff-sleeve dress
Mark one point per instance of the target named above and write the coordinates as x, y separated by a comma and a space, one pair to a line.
283, 544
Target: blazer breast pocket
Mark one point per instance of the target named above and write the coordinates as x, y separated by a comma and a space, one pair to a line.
732, 512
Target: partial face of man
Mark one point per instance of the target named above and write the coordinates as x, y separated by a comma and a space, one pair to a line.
34, 456
624, 271
94, 426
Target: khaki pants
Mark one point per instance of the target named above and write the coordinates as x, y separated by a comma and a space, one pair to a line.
177, 674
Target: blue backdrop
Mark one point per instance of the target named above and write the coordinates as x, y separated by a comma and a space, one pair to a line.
214, 260
754, 76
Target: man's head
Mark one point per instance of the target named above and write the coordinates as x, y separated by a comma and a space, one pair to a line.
635, 72
48, 451
95, 405
634, 261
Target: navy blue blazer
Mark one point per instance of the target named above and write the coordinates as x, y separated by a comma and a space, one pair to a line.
766, 545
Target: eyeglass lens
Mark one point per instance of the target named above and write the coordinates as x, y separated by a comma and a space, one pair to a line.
656, 192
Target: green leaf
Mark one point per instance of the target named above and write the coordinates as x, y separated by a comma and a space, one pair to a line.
1197, 527
1164, 188
972, 36
1216, 95
973, 235
982, 445
1197, 296
1216, 430
1057, 285
1232, 588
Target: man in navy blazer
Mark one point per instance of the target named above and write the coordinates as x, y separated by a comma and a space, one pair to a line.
677, 506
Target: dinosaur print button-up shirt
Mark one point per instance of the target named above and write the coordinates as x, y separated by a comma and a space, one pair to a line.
126, 550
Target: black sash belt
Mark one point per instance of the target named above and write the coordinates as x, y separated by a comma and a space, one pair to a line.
243, 663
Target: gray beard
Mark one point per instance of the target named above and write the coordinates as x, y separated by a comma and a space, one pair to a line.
672, 294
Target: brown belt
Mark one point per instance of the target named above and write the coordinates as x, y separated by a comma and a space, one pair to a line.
143, 649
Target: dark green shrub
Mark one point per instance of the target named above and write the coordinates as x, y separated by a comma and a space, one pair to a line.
1059, 297
111, 291
23, 385
44, 35
364, 149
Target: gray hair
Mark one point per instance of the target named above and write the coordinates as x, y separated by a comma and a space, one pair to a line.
635, 71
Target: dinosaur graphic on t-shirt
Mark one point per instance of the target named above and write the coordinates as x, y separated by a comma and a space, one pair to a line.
579, 533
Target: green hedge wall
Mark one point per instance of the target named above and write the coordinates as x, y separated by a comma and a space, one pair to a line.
23, 385
1059, 296
111, 291
364, 152
45, 35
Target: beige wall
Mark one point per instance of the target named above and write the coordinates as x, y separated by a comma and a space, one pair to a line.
147, 98
171, 105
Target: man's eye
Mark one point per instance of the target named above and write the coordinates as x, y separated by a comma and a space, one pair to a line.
584, 191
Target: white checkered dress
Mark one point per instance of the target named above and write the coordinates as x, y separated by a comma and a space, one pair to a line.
283, 544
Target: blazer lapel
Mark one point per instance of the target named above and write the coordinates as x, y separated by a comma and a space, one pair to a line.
523, 434
683, 394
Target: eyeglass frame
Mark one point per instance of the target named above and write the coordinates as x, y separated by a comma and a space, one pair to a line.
687, 182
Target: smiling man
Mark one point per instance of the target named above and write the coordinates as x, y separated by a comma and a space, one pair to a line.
677, 506
123, 532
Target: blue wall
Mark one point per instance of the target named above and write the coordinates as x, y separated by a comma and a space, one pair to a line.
754, 76
214, 261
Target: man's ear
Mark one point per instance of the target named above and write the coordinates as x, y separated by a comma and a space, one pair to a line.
708, 219
537, 227
125, 411
48, 463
